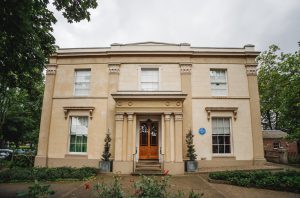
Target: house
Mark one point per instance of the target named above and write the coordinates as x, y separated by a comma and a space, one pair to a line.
275, 144
147, 96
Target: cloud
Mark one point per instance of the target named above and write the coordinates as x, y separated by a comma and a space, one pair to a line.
213, 23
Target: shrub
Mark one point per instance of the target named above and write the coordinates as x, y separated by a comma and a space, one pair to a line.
103, 190
152, 187
36, 191
24, 161
46, 174
283, 180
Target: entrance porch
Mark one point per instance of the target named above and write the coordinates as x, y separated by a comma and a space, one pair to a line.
148, 128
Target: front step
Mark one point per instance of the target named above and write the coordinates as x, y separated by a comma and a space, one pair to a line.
148, 167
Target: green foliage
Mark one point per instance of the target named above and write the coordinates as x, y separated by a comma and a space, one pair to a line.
191, 153
26, 42
46, 174
106, 152
279, 87
103, 190
284, 180
152, 187
25, 161
36, 191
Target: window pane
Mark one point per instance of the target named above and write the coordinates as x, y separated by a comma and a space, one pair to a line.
220, 139
218, 82
221, 135
227, 149
78, 133
149, 79
221, 149
82, 82
72, 147
84, 147
215, 148
227, 139
215, 139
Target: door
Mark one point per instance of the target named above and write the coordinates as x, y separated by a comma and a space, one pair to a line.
148, 148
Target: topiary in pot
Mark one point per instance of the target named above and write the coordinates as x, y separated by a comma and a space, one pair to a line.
105, 163
190, 165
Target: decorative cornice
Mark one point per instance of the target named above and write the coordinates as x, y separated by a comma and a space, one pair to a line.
114, 68
251, 69
51, 69
89, 109
228, 109
185, 68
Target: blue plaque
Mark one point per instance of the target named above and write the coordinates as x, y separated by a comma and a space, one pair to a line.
202, 131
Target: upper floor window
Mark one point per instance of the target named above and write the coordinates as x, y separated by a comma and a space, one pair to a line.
221, 135
82, 82
149, 79
218, 82
78, 134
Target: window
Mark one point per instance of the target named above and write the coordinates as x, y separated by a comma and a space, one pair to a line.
221, 135
218, 82
276, 145
149, 79
78, 134
82, 82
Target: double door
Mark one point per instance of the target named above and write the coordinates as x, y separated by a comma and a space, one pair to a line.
148, 145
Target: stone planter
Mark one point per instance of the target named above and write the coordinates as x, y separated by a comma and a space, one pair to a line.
105, 166
191, 166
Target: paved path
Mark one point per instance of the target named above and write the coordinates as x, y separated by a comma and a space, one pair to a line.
185, 183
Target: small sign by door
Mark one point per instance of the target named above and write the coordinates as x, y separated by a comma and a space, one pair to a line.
202, 131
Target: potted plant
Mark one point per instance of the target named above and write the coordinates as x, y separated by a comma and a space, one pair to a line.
190, 165
105, 163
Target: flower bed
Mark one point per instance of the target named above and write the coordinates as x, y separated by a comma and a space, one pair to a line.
283, 180
46, 174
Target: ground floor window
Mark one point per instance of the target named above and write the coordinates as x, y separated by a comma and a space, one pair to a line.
221, 141
78, 134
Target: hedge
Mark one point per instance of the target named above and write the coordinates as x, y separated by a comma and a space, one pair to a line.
46, 174
283, 180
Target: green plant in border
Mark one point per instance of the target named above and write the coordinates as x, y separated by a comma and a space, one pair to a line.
36, 191
106, 153
114, 190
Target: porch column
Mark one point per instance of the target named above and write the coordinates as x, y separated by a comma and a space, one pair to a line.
167, 137
178, 137
124, 140
119, 118
129, 135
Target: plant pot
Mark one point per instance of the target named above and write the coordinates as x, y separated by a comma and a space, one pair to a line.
105, 166
191, 166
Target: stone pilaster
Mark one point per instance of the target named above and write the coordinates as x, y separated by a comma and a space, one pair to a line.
129, 135
119, 118
124, 141
186, 87
258, 152
178, 137
167, 137
42, 154
113, 83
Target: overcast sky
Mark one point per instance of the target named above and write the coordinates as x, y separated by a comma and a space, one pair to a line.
202, 23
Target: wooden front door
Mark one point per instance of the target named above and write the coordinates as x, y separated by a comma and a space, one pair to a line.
148, 148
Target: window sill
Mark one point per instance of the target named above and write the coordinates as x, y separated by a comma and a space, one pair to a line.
224, 156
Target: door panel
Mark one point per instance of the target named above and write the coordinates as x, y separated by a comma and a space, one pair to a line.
148, 148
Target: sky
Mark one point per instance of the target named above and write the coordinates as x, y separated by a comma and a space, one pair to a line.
202, 23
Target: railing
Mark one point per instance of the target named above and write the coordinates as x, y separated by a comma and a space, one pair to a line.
133, 158
162, 159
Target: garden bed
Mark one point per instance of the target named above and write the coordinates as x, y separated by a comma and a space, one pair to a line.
283, 180
46, 174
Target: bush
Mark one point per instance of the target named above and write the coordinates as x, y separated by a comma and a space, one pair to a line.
103, 190
24, 161
46, 174
283, 180
36, 191
151, 187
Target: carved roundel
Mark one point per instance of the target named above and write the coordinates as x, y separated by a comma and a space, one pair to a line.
129, 103
178, 103
119, 103
167, 103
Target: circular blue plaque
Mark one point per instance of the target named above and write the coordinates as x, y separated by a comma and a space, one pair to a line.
202, 131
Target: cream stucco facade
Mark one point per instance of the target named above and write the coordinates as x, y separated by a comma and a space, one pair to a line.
183, 100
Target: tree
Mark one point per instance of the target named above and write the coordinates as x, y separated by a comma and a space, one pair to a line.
106, 152
26, 42
279, 87
191, 152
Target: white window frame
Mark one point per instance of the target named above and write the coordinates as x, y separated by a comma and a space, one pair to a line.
149, 67
69, 142
217, 83
230, 137
89, 83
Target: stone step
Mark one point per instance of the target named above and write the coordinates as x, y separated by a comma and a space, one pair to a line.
148, 172
148, 168
147, 165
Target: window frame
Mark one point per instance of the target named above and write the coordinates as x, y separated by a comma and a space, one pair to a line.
69, 134
216, 83
74, 83
230, 137
149, 67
